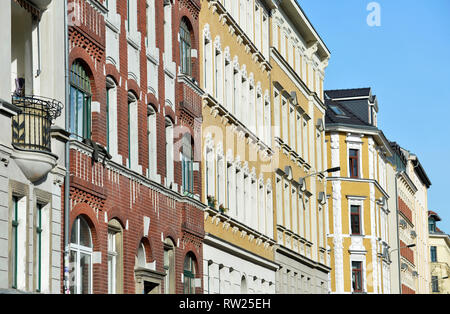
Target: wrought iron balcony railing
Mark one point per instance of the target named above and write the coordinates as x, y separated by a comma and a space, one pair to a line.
31, 127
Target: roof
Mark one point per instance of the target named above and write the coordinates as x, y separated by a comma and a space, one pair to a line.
348, 117
432, 213
421, 173
348, 93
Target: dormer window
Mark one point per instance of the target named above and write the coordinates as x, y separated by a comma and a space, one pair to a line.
431, 225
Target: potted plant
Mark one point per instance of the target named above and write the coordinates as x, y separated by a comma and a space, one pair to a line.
222, 209
212, 201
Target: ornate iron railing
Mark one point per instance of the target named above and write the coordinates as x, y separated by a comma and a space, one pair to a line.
31, 127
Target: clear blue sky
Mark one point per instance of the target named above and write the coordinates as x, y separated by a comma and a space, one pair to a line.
406, 60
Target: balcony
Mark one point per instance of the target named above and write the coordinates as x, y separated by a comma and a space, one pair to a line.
31, 135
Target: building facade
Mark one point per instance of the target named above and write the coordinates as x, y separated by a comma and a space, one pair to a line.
236, 148
439, 252
358, 231
409, 269
298, 58
135, 216
32, 154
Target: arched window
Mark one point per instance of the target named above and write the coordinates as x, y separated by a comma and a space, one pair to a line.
189, 273
243, 285
111, 116
133, 141
169, 267
187, 170
152, 143
80, 258
80, 101
115, 257
169, 151
185, 49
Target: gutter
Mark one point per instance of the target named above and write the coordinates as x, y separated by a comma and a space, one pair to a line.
397, 174
67, 156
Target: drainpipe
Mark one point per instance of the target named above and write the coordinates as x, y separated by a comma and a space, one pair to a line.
67, 151
398, 233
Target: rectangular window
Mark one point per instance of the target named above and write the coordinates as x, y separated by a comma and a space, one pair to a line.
354, 163
355, 217
357, 276
434, 284
112, 262
433, 254
14, 241
39, 247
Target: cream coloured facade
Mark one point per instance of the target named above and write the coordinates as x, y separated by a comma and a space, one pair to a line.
236, 149
298, 59
358, 232
410, 270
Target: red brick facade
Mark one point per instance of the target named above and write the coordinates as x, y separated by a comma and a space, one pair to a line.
405, 210
406, 252
101, 191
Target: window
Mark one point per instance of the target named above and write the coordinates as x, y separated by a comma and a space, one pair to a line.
220, 181
284, 120
431, 225
434, 284
433, 250
168, 30
152, 144
243, 285
207, 63
14, 241
151, 28
80, 101
355, 217
218, 75
114, 257
169, 151
169, 267
133, 142
353, 163
39, 247
187, 170
185, 49
337, 110
189, 275
357, 277
80, 258
111, 116
228, 85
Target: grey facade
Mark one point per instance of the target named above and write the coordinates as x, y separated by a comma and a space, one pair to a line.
32, 144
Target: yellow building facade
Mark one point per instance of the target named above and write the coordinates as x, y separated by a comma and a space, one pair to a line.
236, 147
358, 230
439, 246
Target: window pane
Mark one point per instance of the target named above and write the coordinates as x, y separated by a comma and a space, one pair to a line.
85, 234
85, 274
73, 272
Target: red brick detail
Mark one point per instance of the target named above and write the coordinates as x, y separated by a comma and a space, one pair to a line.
407, 290
98, 192
403, 208
407, 253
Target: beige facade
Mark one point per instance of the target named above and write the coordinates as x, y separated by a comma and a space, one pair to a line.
298, 58
439, 245
236, 147
410, 270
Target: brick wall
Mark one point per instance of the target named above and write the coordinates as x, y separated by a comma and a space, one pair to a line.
406, 252
405, 209
101, 193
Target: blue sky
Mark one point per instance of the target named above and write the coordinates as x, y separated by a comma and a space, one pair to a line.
406, 60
